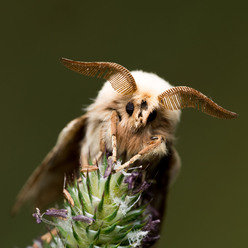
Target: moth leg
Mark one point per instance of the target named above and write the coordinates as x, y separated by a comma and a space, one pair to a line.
114, 118
155, 142
86, 167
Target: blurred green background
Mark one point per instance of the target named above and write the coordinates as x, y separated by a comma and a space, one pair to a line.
201, 44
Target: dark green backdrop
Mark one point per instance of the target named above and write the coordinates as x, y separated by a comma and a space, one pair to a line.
201, 44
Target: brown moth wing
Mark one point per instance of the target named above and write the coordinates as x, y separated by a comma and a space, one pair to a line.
119, 77
46, 182
162, 177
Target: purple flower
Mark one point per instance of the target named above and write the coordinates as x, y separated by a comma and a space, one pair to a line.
109, 168
152, 225
56, 212
130, 180
83, 219
148, 240
37, 216
144, 186
152, 228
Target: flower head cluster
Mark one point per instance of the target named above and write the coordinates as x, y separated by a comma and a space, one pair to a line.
102, 209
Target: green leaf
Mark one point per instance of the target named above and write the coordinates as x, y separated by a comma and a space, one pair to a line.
89, 188
82, 201
134, 199
96, 237
105, 163
132, 215
101, 203
94, 216
112, 216
107, 186
119, 180
109, 229
75, 235
121, 236
68, 246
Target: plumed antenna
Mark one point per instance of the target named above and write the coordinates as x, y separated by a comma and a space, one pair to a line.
185, 97
119, 77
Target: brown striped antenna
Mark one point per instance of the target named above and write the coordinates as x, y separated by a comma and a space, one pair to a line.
185, 97
119, 77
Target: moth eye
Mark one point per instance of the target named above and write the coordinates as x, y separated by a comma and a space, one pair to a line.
152, 116
130, 108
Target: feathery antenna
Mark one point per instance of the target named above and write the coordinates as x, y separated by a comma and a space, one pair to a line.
119, 77
185, 97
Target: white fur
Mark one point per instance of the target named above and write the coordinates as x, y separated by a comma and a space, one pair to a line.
150, 82
147, 84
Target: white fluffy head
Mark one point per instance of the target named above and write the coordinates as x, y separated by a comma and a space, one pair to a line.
147, 82
148, 85
150, 82
134, 129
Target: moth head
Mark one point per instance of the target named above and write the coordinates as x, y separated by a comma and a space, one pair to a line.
144, 96
138, 111
142, 109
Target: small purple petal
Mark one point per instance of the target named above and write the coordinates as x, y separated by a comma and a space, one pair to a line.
144, 186
37, 217
130, 180
149, 239
83, 219
152, 225
56, 212
109, 168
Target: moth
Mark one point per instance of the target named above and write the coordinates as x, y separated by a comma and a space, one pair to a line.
134, 118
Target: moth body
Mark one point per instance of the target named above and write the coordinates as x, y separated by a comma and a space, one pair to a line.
134, 117
134, 130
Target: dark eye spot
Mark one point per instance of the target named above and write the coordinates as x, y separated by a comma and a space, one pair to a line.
130, 108
143, 105
152, 116
119, 116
